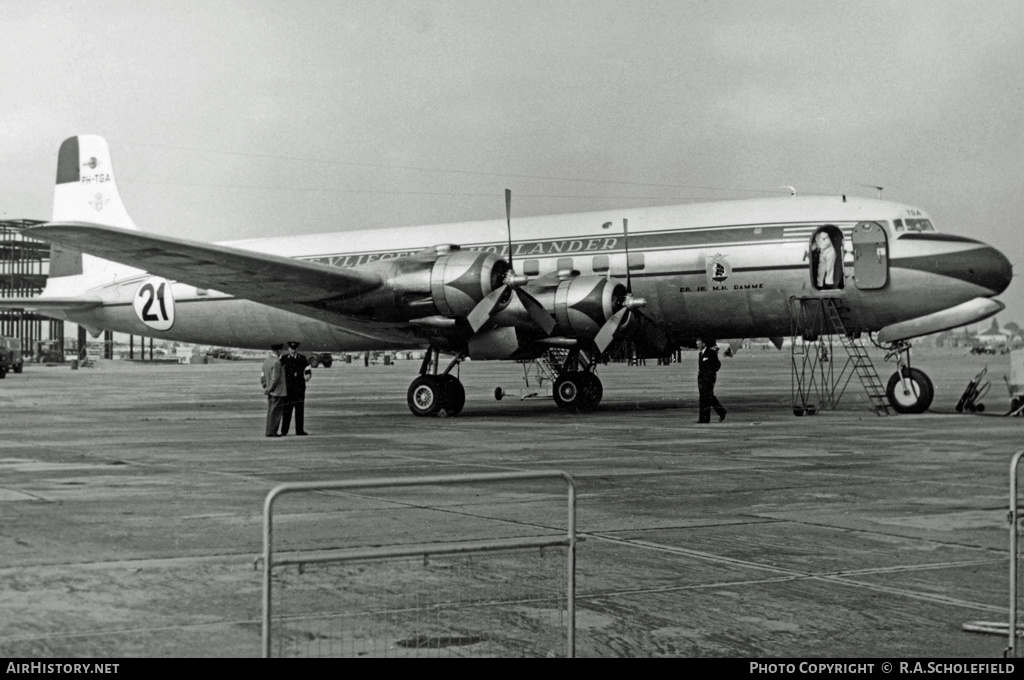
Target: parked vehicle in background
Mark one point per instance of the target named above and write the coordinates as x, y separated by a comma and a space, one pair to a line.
48, 352
10, 356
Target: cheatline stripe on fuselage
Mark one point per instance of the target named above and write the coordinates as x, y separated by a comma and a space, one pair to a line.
923, 264
600, 244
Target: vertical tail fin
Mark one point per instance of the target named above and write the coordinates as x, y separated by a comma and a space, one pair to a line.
86, 190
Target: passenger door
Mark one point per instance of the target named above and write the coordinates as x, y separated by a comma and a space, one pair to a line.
870, 256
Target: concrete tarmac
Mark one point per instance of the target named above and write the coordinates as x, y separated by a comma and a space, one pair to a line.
131, 501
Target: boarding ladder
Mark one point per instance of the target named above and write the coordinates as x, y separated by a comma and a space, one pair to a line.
815, 381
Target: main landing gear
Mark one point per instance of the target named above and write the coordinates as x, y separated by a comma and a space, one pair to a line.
567, 373
436, 394
577, 388
909, 389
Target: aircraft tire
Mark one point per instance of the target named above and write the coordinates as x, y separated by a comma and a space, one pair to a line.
426, 396
593, 390
3, 373
578, 391
918, 399
453, 396
326, 360
314, 361
566, 390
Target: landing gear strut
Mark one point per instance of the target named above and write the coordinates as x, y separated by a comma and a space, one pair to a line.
909, 389
436, 394
577, 388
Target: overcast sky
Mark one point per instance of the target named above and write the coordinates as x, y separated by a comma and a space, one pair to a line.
237, 119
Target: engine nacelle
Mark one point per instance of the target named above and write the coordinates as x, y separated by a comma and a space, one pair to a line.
583, 304
502, 342
461, 279
448, 284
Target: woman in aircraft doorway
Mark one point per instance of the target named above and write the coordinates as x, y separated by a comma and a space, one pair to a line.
827, 258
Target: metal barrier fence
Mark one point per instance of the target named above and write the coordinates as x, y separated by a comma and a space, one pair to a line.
424, 599
1013, 517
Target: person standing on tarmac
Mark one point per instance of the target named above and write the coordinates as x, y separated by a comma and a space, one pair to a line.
708, 364
274, 387
296, 374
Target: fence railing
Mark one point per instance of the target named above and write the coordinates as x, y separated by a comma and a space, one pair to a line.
424, 551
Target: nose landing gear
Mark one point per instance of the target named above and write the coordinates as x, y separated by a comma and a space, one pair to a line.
909, 389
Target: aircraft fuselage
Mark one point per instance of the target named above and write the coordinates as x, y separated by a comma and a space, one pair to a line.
729, 269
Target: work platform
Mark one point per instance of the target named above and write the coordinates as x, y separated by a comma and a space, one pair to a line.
826, 356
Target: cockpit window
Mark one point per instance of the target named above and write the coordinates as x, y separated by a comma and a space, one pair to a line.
918, 225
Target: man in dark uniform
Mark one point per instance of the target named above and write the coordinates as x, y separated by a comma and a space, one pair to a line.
296, 374
707, 370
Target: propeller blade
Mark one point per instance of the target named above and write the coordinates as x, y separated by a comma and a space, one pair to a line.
625, 243
484, 309
536, 311
508, 223
605, 336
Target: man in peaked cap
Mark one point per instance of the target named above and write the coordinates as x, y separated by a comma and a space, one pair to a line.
708, 364
296, 374
274, 387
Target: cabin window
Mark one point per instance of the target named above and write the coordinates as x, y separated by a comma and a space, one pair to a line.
899, 225
826, 256
635, 261
564, 263
531, 267
601, 264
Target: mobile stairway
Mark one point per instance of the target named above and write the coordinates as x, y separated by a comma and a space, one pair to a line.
817, 383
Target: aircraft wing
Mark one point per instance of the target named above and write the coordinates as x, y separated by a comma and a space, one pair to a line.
261, 277
73, 304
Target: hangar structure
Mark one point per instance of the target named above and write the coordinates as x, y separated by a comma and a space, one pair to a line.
24, 266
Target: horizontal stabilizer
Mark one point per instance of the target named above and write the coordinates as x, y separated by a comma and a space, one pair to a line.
71, 304
971, 311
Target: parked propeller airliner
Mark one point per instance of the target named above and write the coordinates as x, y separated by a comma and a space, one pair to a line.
578, 285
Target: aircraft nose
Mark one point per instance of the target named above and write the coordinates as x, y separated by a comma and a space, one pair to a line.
991, 269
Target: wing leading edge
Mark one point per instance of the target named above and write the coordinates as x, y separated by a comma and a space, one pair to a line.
306, 288
72, 304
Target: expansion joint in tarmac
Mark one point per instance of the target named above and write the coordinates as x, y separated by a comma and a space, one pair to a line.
841, 578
